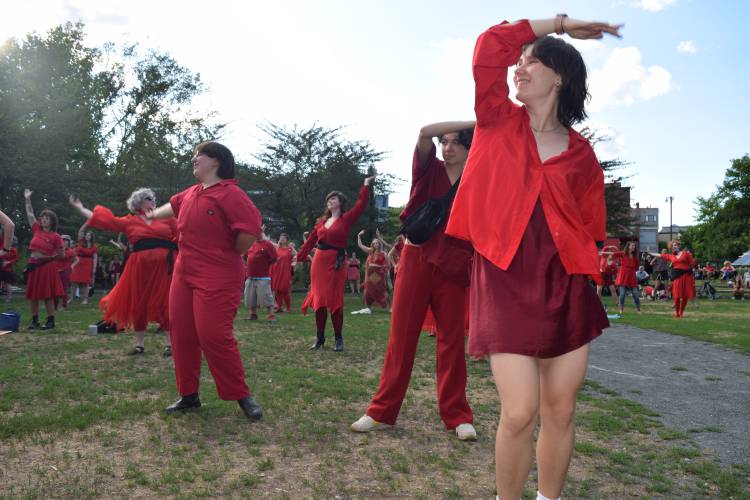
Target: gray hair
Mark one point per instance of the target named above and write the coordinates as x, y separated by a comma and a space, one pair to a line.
137, 197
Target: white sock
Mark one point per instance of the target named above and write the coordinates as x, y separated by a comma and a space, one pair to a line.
539, 496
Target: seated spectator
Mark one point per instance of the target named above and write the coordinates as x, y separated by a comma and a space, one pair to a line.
648, 292
746, 278
709, 271
737, 292
728, 271
642, 276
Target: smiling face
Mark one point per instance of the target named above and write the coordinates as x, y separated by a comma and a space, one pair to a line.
148, 203
333, 203
454, 153
534, 80
375, 245
204, 167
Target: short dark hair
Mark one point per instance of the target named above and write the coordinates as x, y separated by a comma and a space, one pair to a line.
567, 62
465, 137
52, 218
222, 154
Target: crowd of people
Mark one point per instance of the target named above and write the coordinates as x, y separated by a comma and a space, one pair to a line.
526, 207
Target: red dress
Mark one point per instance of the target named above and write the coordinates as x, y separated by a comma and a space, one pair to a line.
281, 270
142, 293
84, 270
376, 291
327, 282
683, 287
628, 267
43, 281
352, 270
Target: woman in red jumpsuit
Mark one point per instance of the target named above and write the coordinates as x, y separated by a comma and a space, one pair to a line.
328, 270
141, 296
217, 224
42, 279
683, 282
531, 202
281, 273
82, 276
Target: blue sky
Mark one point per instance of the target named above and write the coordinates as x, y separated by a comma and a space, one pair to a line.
386, 68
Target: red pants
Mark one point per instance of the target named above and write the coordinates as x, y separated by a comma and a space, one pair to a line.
283, 297
201, 321
420, 284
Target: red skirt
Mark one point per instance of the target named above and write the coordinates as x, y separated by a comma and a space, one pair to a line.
534, 308
83, 271
376, 291
44, 283
326, 283
281, 276
141, 295
684, 287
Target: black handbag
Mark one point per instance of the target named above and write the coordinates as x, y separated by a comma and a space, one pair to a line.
428, 219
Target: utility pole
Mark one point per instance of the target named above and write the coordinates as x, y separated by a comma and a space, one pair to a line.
670, 199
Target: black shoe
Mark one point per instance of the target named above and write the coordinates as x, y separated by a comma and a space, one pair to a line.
35, 326
319, 342
251, 408
50, 324
339, 344
253, 317
184, 403
167, 352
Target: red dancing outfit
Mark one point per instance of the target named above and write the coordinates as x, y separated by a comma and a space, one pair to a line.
6, 264
352, 270
207, 285
326, 280
434, 275
376, 290
626, 273
281, 277
534, 225
683, 282
83, 272
42, 279
141, 295
64, 267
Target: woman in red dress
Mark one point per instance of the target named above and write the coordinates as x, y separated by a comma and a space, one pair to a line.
683, 281
281, 273
353, 274
327, 272
82, 276
607, 272
65, 268
42, 279
626, 280
531, 201
376, 276
141, 295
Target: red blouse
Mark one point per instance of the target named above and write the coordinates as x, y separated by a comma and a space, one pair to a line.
45, 242
338, 234
134, 227
504, 176
376, 258
684, 260
626, 273
85, 252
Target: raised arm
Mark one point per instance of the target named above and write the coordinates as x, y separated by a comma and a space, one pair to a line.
82, 231
428, 132
8, 229
383, 243
29, 208
361, 245
76, 203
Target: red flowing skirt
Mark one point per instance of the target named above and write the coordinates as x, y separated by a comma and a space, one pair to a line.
83, 271
376, 291
281, 276
141, 296
44, 283
326, 283
684, 287
534, 308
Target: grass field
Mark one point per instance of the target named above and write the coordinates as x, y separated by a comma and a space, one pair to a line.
725, 322
78, 418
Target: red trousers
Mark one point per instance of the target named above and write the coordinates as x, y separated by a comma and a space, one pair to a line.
283, 297
201, 322
420, 284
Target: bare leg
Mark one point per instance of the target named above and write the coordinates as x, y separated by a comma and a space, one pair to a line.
517, 381
561, 379
85, 298
34, 304
140, 338
49, 304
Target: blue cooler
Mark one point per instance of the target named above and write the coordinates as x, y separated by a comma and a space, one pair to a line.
10, 321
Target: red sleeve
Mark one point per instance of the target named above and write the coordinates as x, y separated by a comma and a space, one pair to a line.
351, 216
176, 201
36, 227
104, 219
173, 228
240, 213
310, 242
497, 48
594, 208
57, 241
420, 168
273, 255
667, 256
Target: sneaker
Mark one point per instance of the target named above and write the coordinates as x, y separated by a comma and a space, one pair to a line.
136, 350
366, 423
167, 353
366, 310
466, 432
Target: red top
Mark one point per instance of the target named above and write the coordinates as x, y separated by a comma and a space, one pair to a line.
626, 273
134, 227
208, 221
8, 259
430, 180
377, 258
683, 260
260, 256
504, 176
66, 262
338, 234
84, 252
45, 242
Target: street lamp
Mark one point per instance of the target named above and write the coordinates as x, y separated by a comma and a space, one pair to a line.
670, 199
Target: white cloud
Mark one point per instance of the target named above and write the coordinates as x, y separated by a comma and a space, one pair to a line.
654, 5
623, 80
687, 47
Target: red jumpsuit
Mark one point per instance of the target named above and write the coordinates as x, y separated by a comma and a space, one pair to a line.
434, 275
683, 287
141, 295
207, 285
281, 278
43, 282
84, 271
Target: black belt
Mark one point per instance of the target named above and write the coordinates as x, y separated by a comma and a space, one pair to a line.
30, 266
676, 273
340, 253
151, 243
